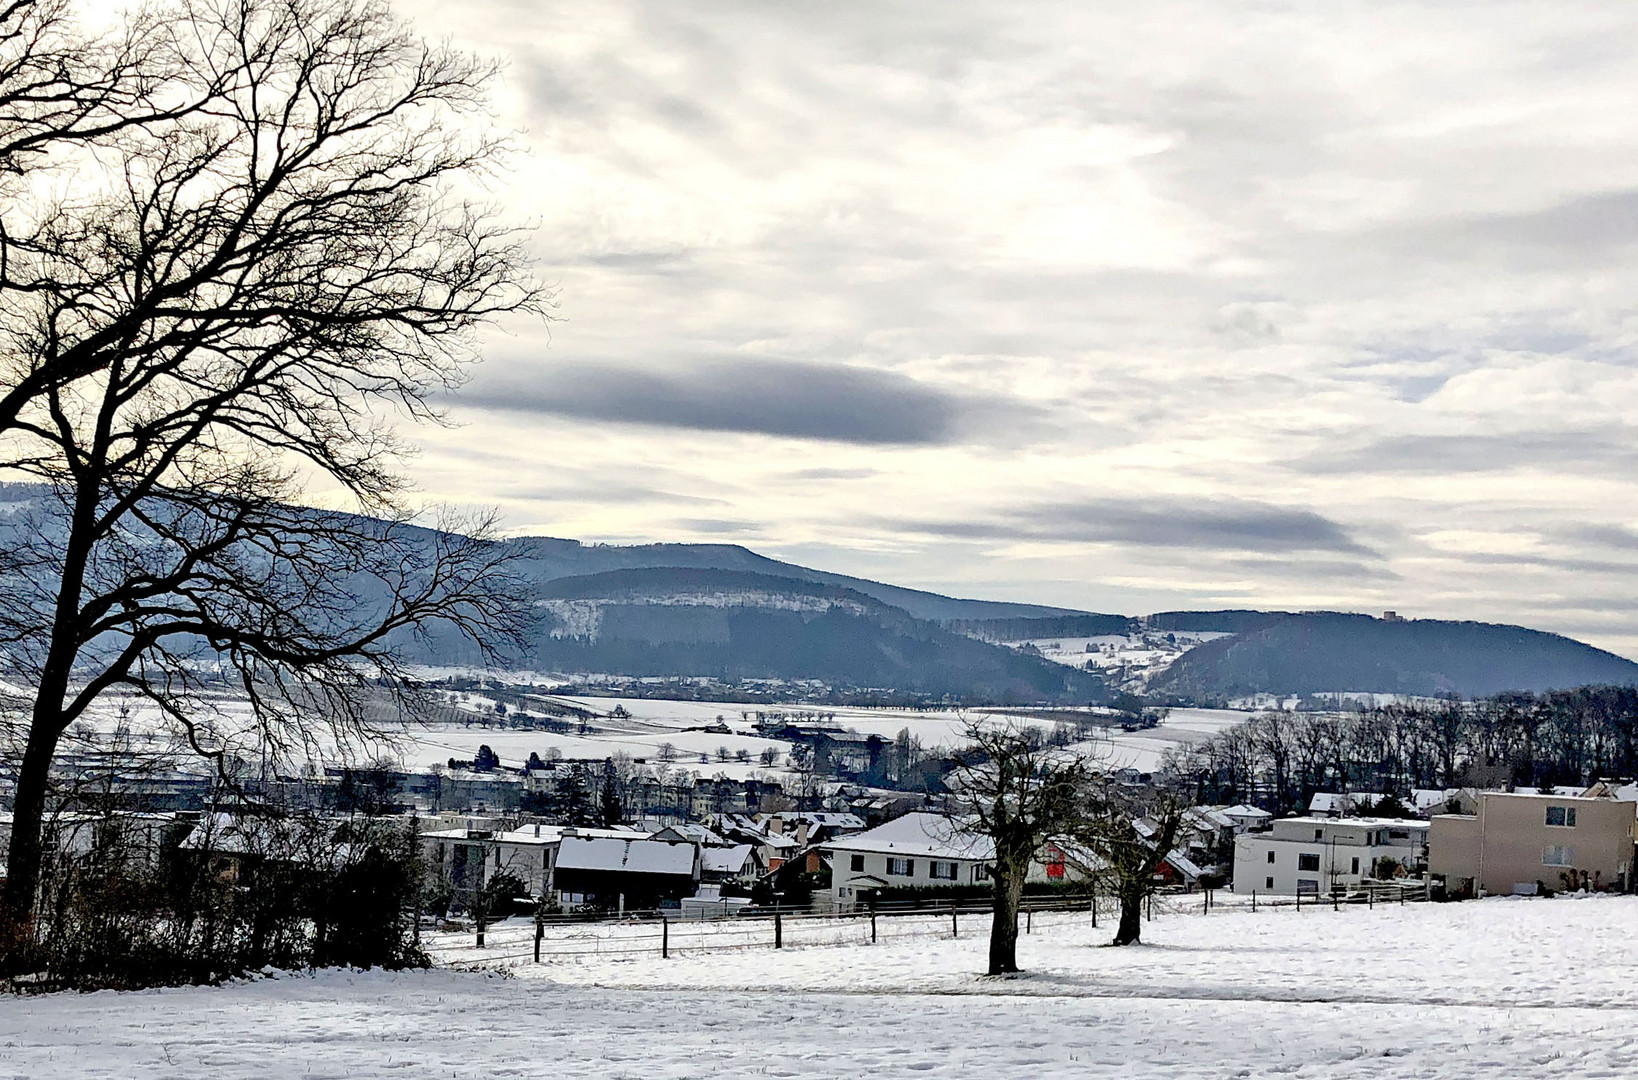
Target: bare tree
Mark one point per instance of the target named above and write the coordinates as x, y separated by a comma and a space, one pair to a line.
236, 305
1019, 791
1131, 830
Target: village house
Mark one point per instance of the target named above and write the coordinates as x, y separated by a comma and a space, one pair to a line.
467, 857
1308, 856
621, 873
918, 850
1525, 843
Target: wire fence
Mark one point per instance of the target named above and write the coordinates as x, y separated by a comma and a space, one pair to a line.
664, 934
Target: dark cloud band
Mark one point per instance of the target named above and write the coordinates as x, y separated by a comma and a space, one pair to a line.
1203, 524
792, 399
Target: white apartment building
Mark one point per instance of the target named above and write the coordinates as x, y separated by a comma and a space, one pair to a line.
1310, 856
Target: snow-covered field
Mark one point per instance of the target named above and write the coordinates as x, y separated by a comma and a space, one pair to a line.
1498, 988
651, 724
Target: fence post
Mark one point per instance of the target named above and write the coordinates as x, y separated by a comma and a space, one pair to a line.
873, 926
540, 932
1029, 917
665, 938
1334, 906
1370, 897
955, 931
1253, 899
1094, 906
779, 931
480, 929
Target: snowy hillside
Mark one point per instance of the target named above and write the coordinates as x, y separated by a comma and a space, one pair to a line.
1127, 661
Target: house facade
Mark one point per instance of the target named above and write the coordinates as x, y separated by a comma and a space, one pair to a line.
1310, 856
1520, 843
918, 850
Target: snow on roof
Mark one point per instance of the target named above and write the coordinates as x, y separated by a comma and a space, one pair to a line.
1184, 865
551, 834
827, 819
919, 833
1241, 810
1350, 822
693, 830
1325, 802
725, 860
637, 855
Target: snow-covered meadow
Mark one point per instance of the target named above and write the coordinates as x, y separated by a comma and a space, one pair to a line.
1497, 988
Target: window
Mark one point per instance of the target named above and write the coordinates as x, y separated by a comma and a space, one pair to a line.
1271, 858
1319, 834
1268, 883
901, 867
1561, 815
1308, 862
1558, 855
1307, 887
1355, 869
856, 864
941, 871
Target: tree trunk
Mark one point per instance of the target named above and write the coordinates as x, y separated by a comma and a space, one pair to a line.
1130, 931
26, 853
1006, 894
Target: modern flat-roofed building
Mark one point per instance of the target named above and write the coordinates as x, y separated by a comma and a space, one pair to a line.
1519, 843
1310, 856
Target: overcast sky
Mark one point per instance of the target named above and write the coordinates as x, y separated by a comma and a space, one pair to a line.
1117, 306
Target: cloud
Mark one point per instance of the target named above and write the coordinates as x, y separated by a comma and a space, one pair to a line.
1224, 525
1451, 455
1353, 269
789, 399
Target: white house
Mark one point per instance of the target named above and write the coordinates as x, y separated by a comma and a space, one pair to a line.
918, 850
1309, 856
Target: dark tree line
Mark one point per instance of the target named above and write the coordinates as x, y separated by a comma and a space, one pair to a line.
1279, 760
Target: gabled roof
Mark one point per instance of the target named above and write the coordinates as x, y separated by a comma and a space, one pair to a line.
634, 856
1241, 810
725, 860
919, 833
690, 830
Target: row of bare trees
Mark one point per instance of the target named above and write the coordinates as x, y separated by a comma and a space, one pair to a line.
1279, 760
238, 249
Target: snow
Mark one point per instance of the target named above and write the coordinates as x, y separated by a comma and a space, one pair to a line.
634, 855
1496, 988
919, 833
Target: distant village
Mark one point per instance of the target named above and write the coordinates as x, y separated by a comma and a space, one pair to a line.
855, 822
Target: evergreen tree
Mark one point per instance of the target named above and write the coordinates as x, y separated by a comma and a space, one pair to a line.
575, 794
611, 811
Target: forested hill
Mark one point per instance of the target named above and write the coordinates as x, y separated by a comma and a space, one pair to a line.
720, 610
1327, 651
544, 558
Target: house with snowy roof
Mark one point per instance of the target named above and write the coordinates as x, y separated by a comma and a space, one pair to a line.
918, 850
625, 872
467, 857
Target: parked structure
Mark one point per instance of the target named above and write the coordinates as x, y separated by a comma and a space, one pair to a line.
1307, 856
1526, 843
